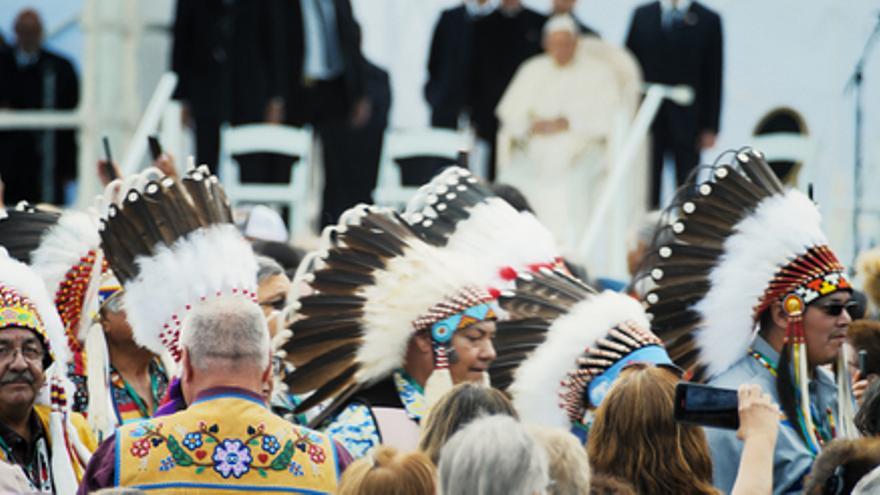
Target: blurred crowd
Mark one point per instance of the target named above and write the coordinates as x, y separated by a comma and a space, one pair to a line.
166, 341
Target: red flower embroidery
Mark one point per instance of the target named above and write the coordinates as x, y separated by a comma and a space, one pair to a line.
316, 454
140, 448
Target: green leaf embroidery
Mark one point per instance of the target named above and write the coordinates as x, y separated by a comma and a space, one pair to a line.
177, 453
281, 462
209, 440
254, 443
200, 469
262, 472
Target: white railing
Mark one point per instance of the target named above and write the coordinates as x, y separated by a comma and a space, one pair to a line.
624, 158
149, 123
40, 119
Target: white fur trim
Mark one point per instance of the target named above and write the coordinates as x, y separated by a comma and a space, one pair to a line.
536, 385
781, 228
207, 261
102, 418
28, 284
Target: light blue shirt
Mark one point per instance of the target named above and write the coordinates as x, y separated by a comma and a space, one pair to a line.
792, 459
323, 56
668, 12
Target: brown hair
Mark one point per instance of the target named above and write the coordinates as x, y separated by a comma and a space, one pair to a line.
854, 458
864, 335
601, 484
635, 437
387, 472
464, 403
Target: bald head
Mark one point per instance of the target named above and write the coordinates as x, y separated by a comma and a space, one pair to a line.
29, 30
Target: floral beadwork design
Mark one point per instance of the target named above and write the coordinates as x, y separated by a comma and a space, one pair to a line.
232, 457
296, 468
229, 457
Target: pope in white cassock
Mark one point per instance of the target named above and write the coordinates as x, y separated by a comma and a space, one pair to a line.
560, 119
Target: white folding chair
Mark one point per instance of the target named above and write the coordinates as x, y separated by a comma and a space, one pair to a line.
787, 147
277, 139
409, 143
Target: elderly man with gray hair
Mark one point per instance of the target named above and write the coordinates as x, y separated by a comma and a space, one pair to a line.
227, 439
493, 455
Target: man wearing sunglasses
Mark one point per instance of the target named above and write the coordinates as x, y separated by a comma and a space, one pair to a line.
749, 292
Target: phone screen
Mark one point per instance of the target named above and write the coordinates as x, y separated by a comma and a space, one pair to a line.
706, 406
155, 147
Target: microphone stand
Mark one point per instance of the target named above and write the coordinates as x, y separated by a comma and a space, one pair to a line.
855, 83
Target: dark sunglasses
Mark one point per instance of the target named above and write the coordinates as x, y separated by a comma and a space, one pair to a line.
834, 309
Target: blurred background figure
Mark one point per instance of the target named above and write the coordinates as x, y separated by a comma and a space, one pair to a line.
502, 41
326, 87
680, 42
226, 56
449, 63
567, 7
31, 78
353, 150
559, 112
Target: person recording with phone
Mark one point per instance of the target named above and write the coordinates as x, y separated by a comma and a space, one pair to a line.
758, 298
635, 437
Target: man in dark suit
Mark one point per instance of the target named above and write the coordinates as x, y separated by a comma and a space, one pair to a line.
359, 149
561, 7
224, 54
32, 78
449, 62
326, 84
502, 41
680, 42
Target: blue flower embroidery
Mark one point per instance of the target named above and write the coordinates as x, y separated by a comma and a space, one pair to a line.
166, 464
270, 444
231, 457
295, 468
192, 441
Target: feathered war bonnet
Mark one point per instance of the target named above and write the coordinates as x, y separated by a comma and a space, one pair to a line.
25, 303
458, 211
22, 229
171, 243
737, 243
373, 286
565, 344
71, 264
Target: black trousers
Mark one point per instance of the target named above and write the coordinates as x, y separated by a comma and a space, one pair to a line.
684, 152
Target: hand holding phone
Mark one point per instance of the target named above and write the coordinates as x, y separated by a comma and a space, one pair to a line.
155, 147
758, 414
706, 406
109, 169
863, 364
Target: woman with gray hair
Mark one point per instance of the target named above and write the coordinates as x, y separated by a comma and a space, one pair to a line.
493, 455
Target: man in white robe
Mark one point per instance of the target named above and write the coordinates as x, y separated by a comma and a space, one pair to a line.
560, 118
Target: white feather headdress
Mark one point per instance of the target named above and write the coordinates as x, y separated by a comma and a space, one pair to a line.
563, 337
457, 211
373, 287
172, 244
731, 241
66, 260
